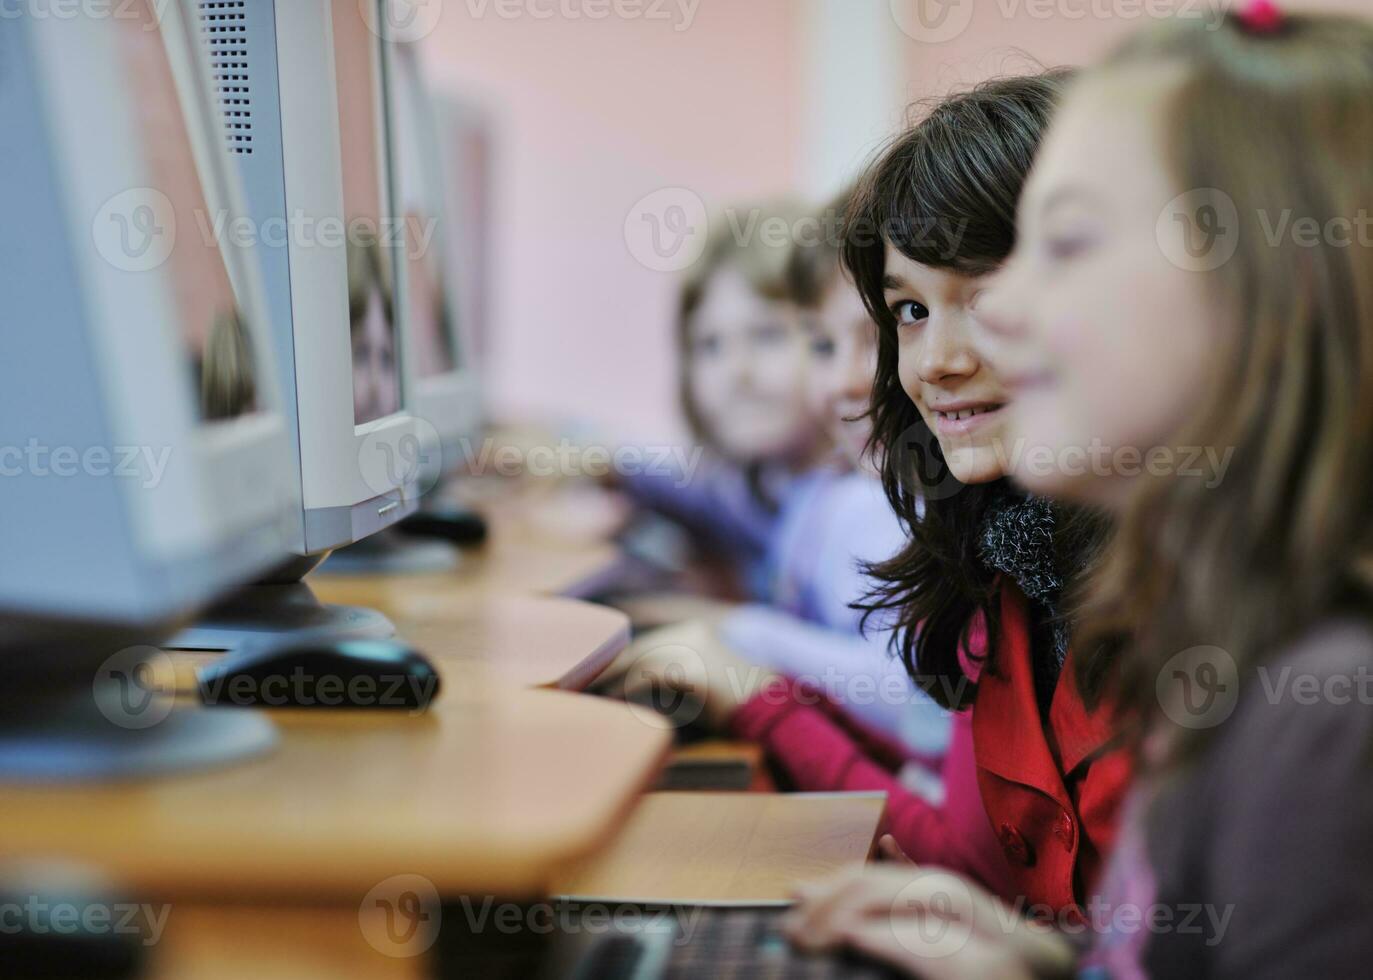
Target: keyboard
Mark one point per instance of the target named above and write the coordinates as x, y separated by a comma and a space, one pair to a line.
686, 944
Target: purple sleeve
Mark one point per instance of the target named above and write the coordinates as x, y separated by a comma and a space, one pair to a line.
713, 498
856, 673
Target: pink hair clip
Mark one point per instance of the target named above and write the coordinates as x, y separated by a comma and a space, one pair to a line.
1261, 17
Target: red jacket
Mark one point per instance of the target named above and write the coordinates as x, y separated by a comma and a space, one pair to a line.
1053, 826
1052, 791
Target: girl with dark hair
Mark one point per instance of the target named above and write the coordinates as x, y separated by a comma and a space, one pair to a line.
980, 595
1151, 308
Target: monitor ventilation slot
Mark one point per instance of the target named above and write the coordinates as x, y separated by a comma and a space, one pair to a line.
224, 28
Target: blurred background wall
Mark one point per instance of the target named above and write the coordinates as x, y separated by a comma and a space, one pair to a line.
597, 106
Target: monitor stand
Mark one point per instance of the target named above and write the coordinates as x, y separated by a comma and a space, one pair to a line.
427, 541
80, 705
391, 553
278, 609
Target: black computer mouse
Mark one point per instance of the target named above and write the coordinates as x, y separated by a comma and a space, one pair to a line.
455, 525
323, 673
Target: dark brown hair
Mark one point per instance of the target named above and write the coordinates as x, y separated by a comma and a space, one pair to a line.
1277, 121
944, 194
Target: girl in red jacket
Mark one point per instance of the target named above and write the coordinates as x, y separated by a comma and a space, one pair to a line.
979, 598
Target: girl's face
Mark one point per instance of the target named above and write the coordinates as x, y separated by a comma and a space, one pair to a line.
747, 371
942, 369
843, 365
1104, 344
376, 383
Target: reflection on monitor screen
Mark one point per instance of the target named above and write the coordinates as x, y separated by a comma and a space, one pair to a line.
219, 353
431, 308
371, 283
469, 148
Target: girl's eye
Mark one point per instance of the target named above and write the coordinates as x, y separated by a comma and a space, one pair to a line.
822, 347
1064, 247
770, 333
908, 311
706, 346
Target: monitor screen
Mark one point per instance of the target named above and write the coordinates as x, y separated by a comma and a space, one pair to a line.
468, 151
371, 278
433, 307
219, 353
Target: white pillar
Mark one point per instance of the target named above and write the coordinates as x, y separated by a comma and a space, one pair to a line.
852, 88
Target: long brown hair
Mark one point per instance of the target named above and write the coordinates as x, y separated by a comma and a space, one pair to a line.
944, 193
1279, 121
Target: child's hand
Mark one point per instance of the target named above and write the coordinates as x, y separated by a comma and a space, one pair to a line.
925, 922
686, 661
891, 850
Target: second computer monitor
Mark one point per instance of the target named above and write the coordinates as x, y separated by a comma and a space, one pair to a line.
302, 90
442, 314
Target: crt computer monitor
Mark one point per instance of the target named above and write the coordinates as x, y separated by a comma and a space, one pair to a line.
438, 319
441, 311
302, 92
467, 146
143, 445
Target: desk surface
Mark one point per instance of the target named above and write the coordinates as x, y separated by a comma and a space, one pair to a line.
729, 848
528, 641
524, 554
488, 793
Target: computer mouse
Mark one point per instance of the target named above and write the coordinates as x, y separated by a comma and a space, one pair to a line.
455, 525
323, 673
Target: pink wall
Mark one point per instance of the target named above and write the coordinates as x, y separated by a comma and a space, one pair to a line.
594, 115
1004, 37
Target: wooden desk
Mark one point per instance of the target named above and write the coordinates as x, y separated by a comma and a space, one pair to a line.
524, 555
521, 640
729, 848
231, 942
484, 795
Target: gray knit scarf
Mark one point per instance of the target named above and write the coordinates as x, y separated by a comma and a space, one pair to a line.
1017, 540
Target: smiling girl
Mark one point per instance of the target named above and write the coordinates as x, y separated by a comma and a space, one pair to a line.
1148, 306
